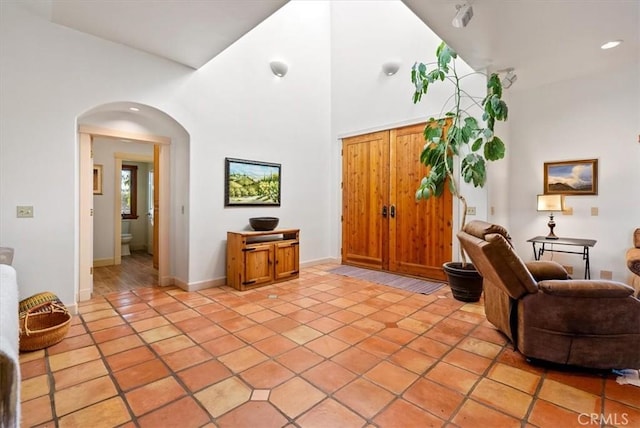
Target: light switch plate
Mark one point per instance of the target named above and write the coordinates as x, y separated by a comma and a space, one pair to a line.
594, 211
24, 211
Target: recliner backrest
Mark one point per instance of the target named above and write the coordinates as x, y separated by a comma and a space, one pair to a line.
491, 252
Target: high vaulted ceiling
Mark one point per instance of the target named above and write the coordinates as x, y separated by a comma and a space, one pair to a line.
544, 40
190, 32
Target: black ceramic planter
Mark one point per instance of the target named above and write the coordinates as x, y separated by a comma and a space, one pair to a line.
465, 281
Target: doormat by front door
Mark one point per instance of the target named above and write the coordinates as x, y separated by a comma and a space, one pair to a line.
392, 280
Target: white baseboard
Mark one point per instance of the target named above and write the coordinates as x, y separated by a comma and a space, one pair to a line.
201, 285
72, 308
325, 260
165, 281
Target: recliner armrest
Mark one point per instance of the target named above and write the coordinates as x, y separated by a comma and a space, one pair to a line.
545, 269
591, 288
633, 260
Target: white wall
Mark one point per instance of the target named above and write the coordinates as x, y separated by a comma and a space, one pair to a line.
366, 34
594, 116
234, 106
239, 109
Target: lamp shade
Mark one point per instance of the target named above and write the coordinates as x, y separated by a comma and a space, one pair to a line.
550, 203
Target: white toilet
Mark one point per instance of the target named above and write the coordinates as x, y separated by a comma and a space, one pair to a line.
125, 238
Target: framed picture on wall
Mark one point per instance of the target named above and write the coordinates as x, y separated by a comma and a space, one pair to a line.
251, 183
576, 177
97, 179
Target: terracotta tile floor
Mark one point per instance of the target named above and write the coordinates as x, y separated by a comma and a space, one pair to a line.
320, 351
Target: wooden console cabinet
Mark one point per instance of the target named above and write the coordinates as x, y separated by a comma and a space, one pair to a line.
255, 259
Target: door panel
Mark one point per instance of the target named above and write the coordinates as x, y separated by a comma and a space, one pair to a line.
86, 217
421, 232
286, 259
383, 169
258, 264
156, 205
365, 193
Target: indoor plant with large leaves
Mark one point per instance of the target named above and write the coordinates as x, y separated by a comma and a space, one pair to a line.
458, 138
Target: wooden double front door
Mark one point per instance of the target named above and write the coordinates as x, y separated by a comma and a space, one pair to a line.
383, 226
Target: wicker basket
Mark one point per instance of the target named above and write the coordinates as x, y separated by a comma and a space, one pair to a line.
43, 325
38, 300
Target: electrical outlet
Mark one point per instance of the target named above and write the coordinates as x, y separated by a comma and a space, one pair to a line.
471, 210
24, 211
606, 274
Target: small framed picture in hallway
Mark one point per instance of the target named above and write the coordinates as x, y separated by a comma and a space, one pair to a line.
97, 179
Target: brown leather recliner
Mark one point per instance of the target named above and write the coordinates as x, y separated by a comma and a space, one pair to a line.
633, 261
547, 316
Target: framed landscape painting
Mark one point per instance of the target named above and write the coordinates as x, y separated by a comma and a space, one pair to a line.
251, 183
578, 177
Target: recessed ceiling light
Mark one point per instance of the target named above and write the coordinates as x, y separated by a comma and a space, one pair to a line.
134, 109
611, 44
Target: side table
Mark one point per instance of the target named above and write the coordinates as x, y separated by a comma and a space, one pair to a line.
547, 245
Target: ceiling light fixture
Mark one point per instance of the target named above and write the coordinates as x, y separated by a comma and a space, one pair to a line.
390, 68
463, 15
509, 78
611, 44
279, 68
134, 109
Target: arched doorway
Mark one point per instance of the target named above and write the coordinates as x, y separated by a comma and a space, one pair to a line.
136, 123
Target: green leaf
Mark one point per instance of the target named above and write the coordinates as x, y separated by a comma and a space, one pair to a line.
431, 132
501, 110
494, 149
473, 170
495, 104
476, 145
494, 86
471, 122
488, 108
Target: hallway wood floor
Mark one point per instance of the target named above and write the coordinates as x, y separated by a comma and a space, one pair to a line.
135, 271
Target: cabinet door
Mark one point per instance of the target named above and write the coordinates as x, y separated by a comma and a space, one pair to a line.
420, 232
287, 259
258, 264
365, 193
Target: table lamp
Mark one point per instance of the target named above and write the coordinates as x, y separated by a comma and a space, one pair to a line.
551, 203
